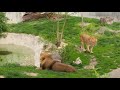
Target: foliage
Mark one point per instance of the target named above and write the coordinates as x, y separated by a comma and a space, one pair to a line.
114, 26
60, 32
3, 26
91, 28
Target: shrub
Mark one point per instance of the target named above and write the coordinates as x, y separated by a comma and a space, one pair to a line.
91, 28
3, 19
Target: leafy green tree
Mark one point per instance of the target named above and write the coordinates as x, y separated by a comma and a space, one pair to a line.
3, 26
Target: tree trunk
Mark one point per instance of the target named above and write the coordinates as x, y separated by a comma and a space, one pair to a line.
82, 20
63, 26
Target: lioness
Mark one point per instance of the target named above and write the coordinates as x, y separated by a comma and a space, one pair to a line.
90, 42
48, 63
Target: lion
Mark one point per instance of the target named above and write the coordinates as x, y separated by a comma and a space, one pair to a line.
90, 42
48, 63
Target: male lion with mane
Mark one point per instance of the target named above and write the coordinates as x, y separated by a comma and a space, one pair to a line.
47, 62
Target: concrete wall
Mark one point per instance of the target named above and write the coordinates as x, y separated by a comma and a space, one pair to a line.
116, 15
28, 40
16, 17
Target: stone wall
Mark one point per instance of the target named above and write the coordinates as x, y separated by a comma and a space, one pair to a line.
16, 17
34, 42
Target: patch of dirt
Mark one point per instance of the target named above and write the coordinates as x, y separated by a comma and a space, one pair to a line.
114, 73
79, 49
84, 24
103, 29
1, 76
31, 74
92, 64
89, 67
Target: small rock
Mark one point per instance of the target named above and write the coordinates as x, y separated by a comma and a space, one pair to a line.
1, 76
93, 62
38, 68
31, 74
115, 73
89, 67
78, 61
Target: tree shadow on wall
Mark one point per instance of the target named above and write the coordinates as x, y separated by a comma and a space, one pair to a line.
5, 52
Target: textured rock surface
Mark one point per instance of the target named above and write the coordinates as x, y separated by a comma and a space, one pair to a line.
10, 53
31, 74
115, 73
28, 40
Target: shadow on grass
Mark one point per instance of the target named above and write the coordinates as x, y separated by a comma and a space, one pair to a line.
5, 52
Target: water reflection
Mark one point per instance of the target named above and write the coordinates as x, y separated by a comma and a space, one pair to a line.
10, 53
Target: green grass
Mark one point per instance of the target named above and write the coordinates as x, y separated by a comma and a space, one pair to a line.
106, 52
114, 26
16, 71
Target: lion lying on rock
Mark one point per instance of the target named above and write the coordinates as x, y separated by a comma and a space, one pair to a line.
47, 62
